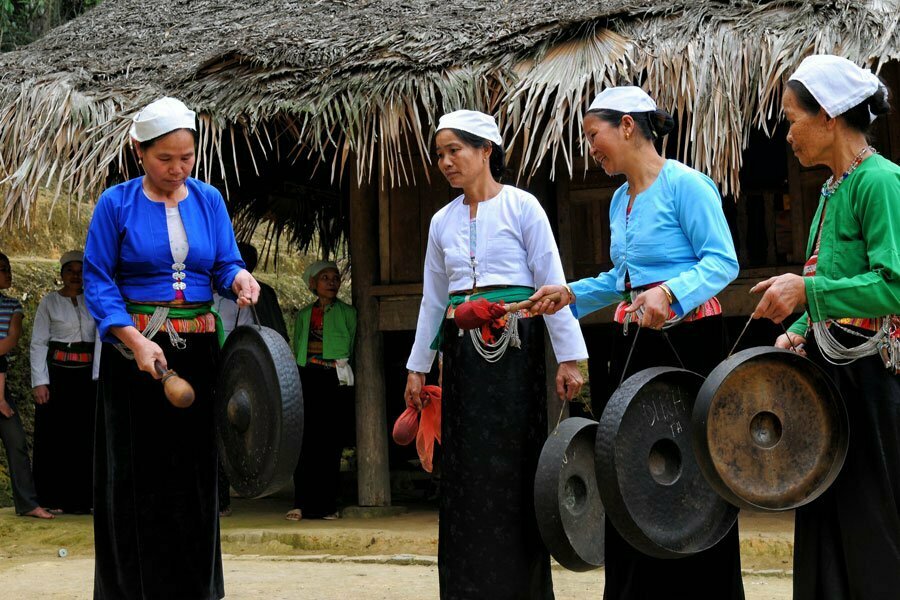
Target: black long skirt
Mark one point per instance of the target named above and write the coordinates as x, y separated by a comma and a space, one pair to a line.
64, 440
847, 541
713, 573
156, 521
317, 476
493, 427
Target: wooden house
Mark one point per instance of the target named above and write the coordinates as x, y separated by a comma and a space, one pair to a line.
320, 115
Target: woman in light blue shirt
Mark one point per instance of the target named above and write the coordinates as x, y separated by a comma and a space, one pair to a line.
672, 252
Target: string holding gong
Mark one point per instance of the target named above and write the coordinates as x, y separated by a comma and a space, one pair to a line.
770, 429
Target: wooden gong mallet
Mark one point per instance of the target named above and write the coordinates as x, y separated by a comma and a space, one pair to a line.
475, 313
526, 304
178, 391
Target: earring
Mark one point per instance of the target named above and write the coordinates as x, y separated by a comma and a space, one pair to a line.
627, 136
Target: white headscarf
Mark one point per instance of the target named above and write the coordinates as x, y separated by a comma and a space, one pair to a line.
474, 122
160, 117
836, 83
317, 267
71, 256
626, 99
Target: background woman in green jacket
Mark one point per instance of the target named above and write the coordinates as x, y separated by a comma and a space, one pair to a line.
323, 341
847, 541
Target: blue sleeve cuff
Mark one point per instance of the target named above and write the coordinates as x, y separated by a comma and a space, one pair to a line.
118, 319
227, 281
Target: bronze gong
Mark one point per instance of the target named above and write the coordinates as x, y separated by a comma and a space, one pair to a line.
650, 483
259, 411
770, 429
566, 499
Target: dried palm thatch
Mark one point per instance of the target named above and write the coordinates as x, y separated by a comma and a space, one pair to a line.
366, 80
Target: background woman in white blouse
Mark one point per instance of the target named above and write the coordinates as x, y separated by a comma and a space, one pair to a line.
493, 241
62, 346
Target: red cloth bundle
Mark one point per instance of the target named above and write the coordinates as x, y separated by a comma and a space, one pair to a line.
475, 313
423, 426
407, 426
429, 425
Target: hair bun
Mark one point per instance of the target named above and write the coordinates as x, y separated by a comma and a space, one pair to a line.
878, 102
663, 122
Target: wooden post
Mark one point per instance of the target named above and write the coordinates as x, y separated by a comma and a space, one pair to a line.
768, 198
564, 222
799, 223
373, 475
743, 224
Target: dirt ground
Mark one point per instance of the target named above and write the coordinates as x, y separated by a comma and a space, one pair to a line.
283, 578
268, 558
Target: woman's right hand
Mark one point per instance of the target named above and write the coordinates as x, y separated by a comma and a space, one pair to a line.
412, 395
41, 394
543, 306
797, 340
146, 354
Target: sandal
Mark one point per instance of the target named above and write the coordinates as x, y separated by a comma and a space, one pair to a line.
332, 517
295, 514
225, 512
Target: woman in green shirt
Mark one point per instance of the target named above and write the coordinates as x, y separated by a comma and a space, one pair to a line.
847, 542
323, 341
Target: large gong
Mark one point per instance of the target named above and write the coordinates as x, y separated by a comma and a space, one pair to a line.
259, 411
566, 499
770, 429
650, 483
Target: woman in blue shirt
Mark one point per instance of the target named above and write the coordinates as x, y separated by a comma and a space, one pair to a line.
672, 252
156, 247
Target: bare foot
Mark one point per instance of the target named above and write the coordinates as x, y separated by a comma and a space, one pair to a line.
295, 514
38, 513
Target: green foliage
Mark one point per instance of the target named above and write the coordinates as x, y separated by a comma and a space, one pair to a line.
5, 485
51, 232
23, 21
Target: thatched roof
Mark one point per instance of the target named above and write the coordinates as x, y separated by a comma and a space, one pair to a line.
368, 79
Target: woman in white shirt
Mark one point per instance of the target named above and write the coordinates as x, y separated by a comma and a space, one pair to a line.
495, 242
62, 346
